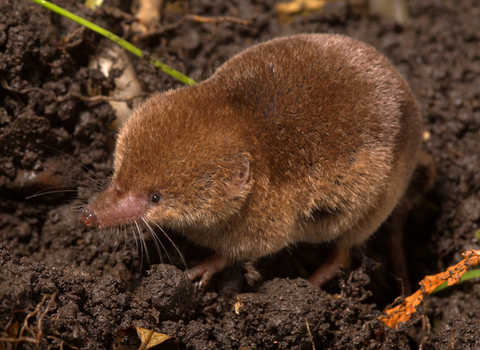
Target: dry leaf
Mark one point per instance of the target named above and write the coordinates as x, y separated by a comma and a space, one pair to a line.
155, 338
403, 312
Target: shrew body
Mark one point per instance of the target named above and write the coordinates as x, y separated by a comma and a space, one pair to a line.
307, 138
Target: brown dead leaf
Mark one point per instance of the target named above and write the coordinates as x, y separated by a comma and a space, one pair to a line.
149, 338
404, 311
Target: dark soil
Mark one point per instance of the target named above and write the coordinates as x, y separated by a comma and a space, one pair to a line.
87, 291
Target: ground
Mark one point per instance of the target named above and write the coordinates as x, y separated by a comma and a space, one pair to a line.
79, 290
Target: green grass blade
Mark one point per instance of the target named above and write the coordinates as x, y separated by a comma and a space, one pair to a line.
116, 39
466, 276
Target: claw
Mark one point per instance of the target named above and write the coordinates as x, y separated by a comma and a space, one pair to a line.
207, 269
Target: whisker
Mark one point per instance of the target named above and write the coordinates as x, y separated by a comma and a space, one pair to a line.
71, 183
50, 191
121, 229
125, 229
74, 207
85, 179
94, 178
116, 243
142, 248
157, 240
77, 208
125, 242
173, 244
137, 248
105, 237
88, 181
57, 215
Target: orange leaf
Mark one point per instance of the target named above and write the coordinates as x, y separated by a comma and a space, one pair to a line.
404, 311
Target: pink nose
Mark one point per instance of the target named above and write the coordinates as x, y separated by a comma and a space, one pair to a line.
89, 219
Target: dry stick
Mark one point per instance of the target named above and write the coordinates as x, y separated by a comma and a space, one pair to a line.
114, 12
310, 333
25, 326
147, 340
74, 95
42, 315
62, 342
427, 325
195, 18
220, 19
452, 338
159, 31
69, 37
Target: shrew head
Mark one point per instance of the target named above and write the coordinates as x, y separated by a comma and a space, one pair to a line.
174, 170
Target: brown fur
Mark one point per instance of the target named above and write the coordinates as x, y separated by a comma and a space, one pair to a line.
307, 138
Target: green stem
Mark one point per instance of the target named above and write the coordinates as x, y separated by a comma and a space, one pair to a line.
116, 39
466, 276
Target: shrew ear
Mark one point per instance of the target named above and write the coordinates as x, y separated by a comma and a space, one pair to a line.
242, 176
244, 173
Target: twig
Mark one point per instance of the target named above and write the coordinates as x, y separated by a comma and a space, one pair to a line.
40, 315
69, 95
220, 19
115, 13
309, 333
195, 18
67, 39
147, 340
159, 31
428, 327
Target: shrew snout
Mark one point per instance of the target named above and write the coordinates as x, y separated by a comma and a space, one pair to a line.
89, 219
113, 207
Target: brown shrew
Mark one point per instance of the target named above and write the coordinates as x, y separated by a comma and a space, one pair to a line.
312, 138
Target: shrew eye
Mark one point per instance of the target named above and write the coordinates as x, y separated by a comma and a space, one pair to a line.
155, 197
